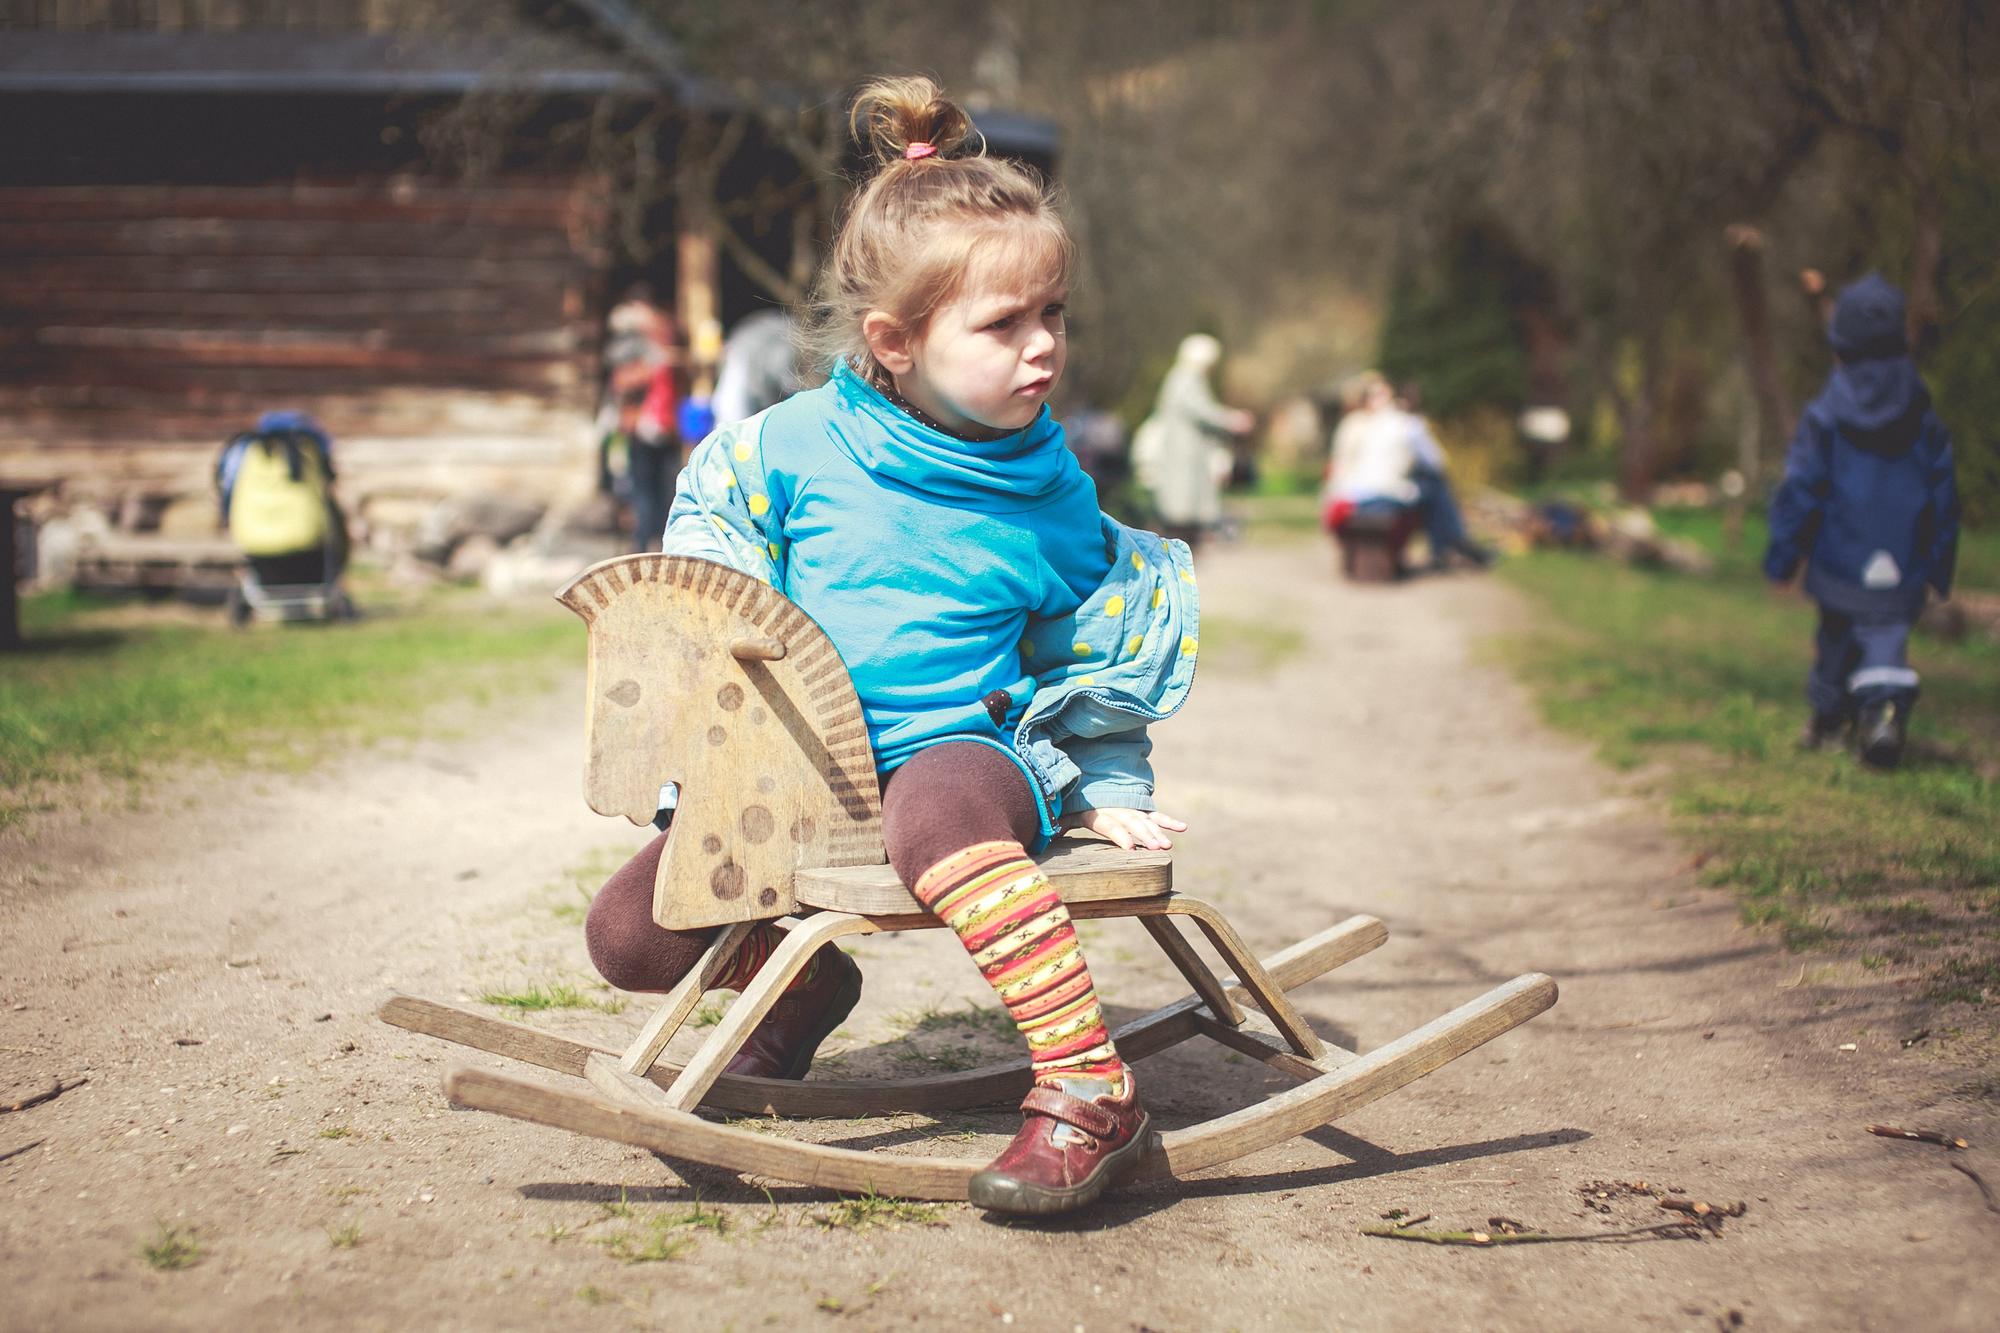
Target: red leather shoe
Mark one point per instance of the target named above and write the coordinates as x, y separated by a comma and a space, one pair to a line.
783, 1045
1068, 1151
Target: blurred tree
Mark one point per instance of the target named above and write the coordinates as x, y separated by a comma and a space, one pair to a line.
1449, 324
1281, 172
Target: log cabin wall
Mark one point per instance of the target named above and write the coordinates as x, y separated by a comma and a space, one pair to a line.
171, 265
430, 326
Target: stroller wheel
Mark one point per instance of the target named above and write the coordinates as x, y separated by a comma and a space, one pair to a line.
343, 607
239, 607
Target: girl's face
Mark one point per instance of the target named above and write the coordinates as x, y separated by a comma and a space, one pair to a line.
987, 360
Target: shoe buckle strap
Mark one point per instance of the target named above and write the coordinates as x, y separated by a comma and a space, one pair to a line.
1059, 1105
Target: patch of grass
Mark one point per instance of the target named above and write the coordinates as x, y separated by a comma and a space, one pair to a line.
1966, 981
707, 1016
335, 1132
1703, 679
961, 1023
171, 1248
859, 1212
1230, 643
591, 1294
946, 1059
344, 1238
578, 886
108, 689
555, 995
663, 1236
655, 1245
952, 1039
571, 912
1290, 512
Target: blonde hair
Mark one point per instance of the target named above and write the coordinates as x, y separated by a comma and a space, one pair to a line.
911, 235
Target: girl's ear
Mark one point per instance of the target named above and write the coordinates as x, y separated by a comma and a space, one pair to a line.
889, 342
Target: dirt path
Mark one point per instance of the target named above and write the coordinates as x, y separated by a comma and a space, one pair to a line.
211, 963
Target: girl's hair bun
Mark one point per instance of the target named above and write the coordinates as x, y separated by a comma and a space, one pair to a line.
890, 114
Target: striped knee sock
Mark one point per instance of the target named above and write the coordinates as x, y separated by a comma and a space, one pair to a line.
1008, 916
751, 956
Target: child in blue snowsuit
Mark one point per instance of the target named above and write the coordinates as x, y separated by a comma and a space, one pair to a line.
1870, 505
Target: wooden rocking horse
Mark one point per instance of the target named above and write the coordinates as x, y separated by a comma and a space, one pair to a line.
707, 678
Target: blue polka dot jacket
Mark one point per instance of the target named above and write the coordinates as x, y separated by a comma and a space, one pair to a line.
973, 588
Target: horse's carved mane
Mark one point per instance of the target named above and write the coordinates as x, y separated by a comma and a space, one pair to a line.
771, 756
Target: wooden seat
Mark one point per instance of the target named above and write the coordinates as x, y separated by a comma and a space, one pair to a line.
1082, 870
706, 679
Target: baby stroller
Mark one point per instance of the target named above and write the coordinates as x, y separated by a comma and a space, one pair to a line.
277, 499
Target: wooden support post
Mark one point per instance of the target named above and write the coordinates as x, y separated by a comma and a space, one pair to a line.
681, 1000
700, 303
785, 962
1168, 936
1265, 990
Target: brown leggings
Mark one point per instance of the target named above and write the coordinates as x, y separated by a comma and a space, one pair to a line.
949, 797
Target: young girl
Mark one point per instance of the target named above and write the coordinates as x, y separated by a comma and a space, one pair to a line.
1009, 642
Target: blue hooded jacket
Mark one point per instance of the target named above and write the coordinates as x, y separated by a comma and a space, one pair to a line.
973, 588
1868, 501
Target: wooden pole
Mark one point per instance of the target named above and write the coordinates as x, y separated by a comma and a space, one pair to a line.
1746, 272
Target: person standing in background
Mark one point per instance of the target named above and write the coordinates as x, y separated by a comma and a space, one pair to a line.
1869, 504
1179, 452
759, 367
639, 444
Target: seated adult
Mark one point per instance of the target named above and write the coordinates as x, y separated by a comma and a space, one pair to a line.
1387, 461
1374, 452
1444, 527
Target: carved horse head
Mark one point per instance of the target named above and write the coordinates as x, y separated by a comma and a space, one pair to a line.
706, 678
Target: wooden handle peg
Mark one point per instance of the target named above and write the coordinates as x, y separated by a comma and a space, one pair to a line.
757, 649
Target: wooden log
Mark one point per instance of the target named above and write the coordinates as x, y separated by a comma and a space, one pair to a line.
537, 206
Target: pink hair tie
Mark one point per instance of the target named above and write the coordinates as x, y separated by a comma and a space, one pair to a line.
918, 150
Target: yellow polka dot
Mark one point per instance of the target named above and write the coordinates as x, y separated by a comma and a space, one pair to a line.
1082, 648
1027, 647
729, 481
1114, 606
1189, 643
1138, 642
720, 526
1086, 680
1138, 561
760, 505
773, 549
1159, 598
743, 451
1187, 576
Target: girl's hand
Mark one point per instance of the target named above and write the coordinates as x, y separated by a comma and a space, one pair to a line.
1130, 829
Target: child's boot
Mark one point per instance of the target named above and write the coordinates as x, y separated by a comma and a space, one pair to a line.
1822, 729
1880, 733
1076, 1138
783, 1044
